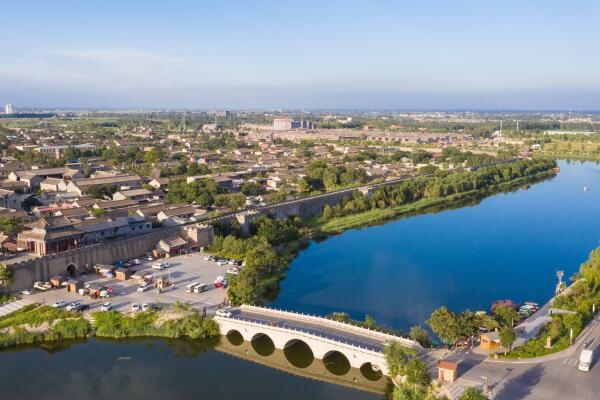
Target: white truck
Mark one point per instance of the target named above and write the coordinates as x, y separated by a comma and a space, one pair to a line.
585, 359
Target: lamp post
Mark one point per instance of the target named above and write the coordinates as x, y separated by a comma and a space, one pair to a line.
485, 385
559, 275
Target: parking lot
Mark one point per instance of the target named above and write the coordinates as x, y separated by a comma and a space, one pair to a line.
182, 271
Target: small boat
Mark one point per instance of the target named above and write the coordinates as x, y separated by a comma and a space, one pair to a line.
585, 188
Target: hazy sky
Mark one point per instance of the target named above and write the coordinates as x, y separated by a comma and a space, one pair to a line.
534, 54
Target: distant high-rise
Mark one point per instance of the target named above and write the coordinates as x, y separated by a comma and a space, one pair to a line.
9, 109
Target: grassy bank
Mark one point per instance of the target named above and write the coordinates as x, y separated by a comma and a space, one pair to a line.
36, 324
114, 324
39, 324
379, 215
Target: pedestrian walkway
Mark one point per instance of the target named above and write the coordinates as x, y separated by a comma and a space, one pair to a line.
455, 389
570, 362
13, 306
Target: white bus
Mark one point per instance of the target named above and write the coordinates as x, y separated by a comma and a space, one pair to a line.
190, 288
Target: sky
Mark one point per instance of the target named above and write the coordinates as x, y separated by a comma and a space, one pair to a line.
371, 54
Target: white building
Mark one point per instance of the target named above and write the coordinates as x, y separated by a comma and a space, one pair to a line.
9, 109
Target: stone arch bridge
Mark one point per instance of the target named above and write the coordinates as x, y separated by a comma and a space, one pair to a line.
360, 346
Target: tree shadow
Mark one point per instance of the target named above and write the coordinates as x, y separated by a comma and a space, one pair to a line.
521, 385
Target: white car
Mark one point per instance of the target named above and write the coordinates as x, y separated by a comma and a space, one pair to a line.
43, 286
222, 262
136, 261
135, 307
224, 313
106, 307
143, 288
73, 306
159, 266
233, 271
149, 258
27, 292
60, 304
145, 307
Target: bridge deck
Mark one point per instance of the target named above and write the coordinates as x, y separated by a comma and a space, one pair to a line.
316, 328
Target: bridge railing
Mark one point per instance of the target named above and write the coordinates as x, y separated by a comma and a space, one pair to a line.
376, 351
366, 331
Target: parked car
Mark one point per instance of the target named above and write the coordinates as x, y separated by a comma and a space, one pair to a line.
159, 266
233, 271
136, 261
146, 307
81, 307
43, 286
143, 288
210, 258
60, 304
135, 307
222, 262
27, 292
72, 306
224, 313
149, 258
106, 307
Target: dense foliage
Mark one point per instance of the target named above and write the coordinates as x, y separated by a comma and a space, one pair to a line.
117, 325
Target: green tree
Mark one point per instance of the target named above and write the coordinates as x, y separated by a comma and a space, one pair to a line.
98, 212
446, 325
7, 275
421, 336
506, 315
396, 356
327, 213
9, 227
472, 393
153, 156
303, 185
416, 373
507, 337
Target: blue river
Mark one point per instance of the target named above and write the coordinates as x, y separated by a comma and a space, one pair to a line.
510, 245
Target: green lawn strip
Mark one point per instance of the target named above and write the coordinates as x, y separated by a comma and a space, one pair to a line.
35, 315
114, 324
62, 325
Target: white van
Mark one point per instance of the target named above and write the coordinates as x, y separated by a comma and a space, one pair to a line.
585, 360
201, 287
190, 288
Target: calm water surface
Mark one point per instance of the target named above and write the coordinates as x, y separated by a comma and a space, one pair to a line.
508, 246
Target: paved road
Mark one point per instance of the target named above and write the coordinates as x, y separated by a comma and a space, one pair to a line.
314, 328
13, 306
554, 377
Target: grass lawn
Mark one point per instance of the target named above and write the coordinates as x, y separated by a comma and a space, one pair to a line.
35, 315
118, 325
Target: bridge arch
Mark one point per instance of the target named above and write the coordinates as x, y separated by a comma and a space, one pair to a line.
298, 353
371, 371
235, 337
336, 362
262, 344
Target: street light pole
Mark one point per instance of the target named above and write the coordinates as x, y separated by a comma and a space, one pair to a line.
485, 387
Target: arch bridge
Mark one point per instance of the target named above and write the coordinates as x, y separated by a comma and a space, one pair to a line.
323, 336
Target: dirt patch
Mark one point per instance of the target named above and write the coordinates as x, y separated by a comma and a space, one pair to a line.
165, 316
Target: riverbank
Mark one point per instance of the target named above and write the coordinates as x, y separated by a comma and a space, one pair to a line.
35, 324
378, 216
